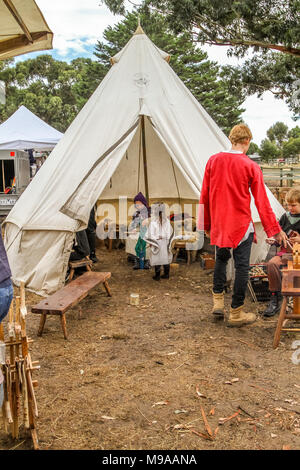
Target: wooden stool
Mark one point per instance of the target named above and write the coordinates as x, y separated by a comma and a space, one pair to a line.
290, 287
79, 264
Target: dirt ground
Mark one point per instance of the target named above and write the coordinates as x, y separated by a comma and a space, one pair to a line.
136, 377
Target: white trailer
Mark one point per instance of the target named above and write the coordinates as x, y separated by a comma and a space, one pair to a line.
14, 177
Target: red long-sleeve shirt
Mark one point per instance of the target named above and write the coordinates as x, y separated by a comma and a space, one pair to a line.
225, 199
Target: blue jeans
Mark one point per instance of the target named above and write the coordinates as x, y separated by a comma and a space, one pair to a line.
6, 295
241, 256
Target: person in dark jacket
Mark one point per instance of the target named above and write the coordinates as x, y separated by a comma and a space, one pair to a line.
91, 236
6, 288
290, 224
81, 247
80, 250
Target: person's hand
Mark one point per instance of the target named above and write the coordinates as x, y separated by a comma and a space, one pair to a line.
270, 241
145, 222
207, 233
281, 238
295, 238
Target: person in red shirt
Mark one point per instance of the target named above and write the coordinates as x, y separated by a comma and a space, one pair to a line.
225, 215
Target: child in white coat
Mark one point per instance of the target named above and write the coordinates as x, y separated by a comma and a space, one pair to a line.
159, 235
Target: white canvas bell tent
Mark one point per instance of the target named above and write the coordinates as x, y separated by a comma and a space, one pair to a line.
141, 117
24, 130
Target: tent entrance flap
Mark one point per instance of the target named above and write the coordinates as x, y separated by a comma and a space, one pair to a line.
175, 162
79, 204
148, 166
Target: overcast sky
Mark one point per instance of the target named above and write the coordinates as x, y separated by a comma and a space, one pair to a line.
77, 25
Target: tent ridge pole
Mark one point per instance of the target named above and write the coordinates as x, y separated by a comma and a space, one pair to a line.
145, 157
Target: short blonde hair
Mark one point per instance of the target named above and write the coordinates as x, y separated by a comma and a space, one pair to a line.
293, 195
239, 134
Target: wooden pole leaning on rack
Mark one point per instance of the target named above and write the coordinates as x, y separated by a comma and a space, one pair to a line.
290, 288
17, 371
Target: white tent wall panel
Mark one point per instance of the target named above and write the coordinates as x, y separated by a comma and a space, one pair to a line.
29, 266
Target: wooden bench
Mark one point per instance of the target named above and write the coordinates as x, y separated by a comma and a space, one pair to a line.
68, 296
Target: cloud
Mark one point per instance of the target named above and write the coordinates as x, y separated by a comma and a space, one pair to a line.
76, 23
261, 114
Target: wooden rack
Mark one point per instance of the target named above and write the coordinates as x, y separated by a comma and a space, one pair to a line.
19, 404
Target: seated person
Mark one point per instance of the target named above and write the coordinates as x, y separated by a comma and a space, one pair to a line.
290, 224
91, 236
81, 247
80, 250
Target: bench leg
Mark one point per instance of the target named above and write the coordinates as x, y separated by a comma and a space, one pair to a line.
42, 324
71, 274
64, 325
107, 288
280, 322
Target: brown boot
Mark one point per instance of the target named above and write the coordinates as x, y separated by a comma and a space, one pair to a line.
237, 317
218, 308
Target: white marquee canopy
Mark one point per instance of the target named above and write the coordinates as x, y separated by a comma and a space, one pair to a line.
25, 130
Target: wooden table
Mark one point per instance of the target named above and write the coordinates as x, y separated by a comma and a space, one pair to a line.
181, 244
290, 287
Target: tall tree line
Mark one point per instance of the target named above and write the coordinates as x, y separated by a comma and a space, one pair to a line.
269, 29
56, 90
